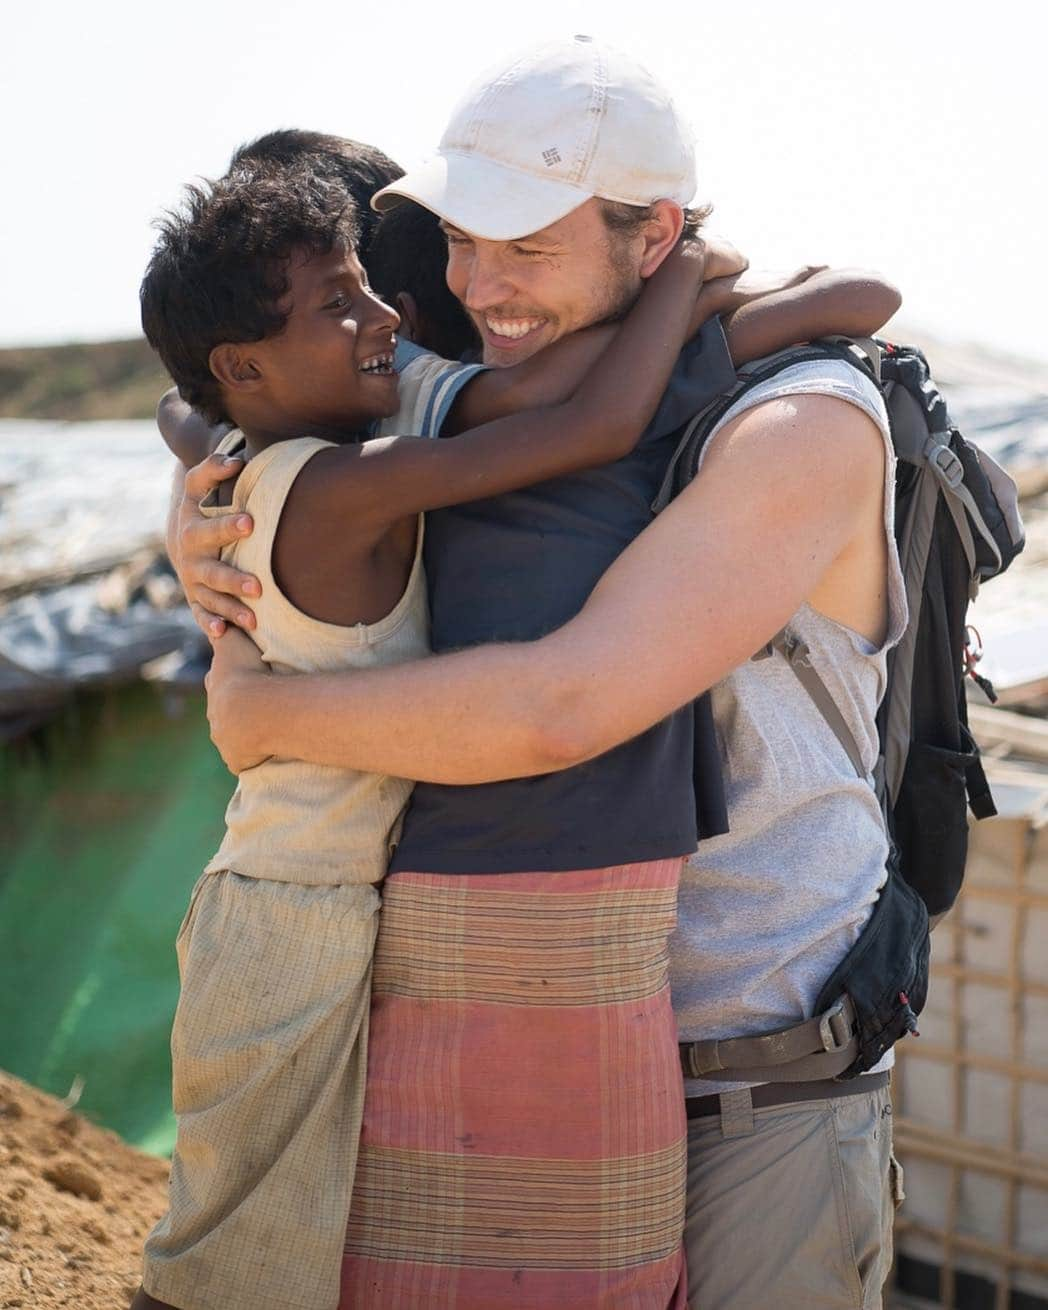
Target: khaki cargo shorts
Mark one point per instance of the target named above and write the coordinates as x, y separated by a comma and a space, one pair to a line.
795, 1211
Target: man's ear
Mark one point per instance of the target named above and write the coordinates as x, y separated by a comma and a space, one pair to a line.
234, 368
410, 318
661, 233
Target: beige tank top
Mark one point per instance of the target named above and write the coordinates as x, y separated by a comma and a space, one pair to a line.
288, 820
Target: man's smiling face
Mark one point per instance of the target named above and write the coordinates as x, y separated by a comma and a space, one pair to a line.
523, 294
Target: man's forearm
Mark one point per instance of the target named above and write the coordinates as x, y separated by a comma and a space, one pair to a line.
399, 720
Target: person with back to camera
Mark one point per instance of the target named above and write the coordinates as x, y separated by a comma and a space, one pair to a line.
617, 821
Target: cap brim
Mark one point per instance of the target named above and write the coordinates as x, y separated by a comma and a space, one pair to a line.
486, 199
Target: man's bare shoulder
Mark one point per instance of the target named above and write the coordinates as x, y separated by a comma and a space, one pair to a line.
810, 444
813, 466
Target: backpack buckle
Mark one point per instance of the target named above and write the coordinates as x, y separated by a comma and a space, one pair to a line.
835, 1027
945, 462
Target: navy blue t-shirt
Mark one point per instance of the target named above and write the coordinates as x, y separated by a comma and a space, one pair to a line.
514, 568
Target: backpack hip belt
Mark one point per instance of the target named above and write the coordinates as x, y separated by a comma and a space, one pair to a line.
820, 1047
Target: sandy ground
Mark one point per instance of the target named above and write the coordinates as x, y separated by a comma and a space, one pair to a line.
75, 1206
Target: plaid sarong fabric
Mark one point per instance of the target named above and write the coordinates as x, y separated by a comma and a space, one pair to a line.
524, 1133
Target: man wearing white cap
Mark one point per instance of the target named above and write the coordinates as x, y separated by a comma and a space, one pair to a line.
532, 1160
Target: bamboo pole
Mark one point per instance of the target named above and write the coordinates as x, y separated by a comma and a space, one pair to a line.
921, 1049
984, 978
1015, 1004
1025, 899
941, 1148
1033, 1264
948, 1282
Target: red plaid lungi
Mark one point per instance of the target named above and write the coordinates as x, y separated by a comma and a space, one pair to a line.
524, 1134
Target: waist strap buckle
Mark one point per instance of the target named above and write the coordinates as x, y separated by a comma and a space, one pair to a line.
835, 1028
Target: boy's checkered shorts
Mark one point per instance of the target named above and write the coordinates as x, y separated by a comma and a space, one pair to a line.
269, 1050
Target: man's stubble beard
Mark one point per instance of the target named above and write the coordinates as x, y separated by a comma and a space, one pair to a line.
622, 285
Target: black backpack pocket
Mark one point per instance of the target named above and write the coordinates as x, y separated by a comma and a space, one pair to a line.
930, 820
885, 973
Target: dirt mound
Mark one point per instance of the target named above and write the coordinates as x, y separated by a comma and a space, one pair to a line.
75, 1206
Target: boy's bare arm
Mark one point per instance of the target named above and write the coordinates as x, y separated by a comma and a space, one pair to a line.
189, 436
380, 482
849, 302
548, 378
760, 316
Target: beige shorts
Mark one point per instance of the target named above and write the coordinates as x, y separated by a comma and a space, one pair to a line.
268, 1051
797, 1213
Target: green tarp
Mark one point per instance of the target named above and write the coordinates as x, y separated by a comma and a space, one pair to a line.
109, 815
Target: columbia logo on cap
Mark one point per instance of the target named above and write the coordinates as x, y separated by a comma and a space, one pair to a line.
551, 156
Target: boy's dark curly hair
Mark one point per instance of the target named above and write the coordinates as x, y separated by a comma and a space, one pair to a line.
409, 252
219, 270
361, 169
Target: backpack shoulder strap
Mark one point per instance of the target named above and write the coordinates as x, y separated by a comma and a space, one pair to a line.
683, 465
798, 657
667, 489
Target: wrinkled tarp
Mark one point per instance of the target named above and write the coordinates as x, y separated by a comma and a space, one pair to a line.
57, 640
85, 596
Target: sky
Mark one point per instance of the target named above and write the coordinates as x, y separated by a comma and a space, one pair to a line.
906, 138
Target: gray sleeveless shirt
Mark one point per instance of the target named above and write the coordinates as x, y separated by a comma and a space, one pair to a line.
768, 910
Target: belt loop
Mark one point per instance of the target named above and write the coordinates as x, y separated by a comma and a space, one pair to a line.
736, 1113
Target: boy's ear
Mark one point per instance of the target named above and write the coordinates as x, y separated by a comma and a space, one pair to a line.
410, 317
233, 368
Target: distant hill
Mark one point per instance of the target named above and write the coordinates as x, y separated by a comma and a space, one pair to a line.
122, 379
94, 380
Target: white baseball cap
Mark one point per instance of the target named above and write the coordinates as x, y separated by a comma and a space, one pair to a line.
537, 137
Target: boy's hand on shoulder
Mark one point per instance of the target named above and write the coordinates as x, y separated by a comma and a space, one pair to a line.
710, 265
213, 589
722, 258
701, 258
769, 314
237, 672
687, 259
